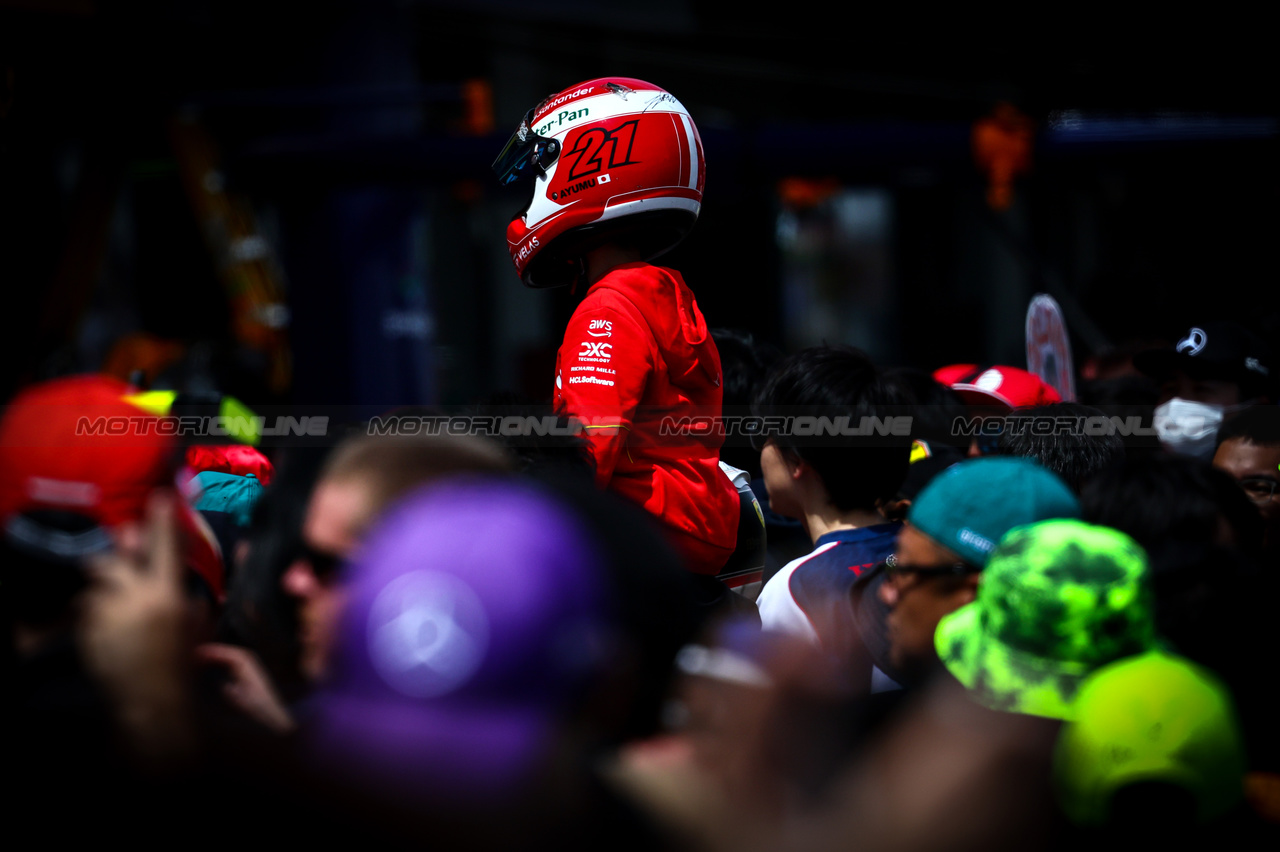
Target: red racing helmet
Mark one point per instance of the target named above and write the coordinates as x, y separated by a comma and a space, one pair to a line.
613, 159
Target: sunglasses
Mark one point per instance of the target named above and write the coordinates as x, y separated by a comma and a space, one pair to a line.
323, 564
893, 570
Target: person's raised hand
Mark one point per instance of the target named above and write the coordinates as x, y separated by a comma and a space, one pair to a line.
133, 633
248, 687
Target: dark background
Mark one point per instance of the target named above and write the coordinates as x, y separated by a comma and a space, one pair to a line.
347, 129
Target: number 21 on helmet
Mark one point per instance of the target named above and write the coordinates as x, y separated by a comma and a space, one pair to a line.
612, 160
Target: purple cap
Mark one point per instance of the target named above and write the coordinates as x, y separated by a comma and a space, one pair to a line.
476, 612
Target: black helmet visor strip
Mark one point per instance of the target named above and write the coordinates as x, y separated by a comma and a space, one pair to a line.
524, 152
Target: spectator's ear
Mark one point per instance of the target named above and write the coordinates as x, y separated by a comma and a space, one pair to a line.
894, 508
796, 465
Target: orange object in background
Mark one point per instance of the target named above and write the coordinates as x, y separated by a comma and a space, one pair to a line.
141, 351
1002, 143
477, 99
804, 193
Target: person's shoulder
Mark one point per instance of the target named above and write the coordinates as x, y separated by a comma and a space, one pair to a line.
779, 585
778, 606
604, 313
809, 558
605, 298
868, 546
828, 571
839, 560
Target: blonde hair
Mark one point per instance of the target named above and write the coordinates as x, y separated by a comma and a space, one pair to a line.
390, 466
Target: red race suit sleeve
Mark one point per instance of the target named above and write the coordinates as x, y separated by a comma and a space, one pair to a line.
603, 366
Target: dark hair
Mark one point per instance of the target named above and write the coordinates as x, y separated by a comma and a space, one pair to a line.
1257, 424
937, 407
1127, 397
1140, 392
829, 381
1073, 454
1165, 502
744, 363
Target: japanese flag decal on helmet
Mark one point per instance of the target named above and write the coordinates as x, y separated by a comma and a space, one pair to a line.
613, 158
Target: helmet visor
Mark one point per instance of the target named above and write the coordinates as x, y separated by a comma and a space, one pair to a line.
524, 152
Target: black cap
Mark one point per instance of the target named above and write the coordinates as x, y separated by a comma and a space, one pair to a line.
1215, 350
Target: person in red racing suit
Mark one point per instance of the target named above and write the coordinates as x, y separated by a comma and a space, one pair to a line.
636, 351
617, 172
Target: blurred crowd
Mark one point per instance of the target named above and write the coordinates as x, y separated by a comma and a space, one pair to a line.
713, 596
1015, 637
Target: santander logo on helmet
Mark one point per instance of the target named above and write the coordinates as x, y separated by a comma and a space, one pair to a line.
608, 157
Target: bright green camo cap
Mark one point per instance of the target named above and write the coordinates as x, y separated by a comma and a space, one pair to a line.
1153, 717
1057, 600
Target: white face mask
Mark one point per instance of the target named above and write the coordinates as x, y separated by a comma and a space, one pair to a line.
1187, 427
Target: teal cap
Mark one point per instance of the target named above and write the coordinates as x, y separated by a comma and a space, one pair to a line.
214, 491
970, 506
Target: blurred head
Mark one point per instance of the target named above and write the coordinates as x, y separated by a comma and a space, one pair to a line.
1249, 451
849, 472
1216, 607
762, 713
1154, 721
935, 407
1217, 364
1168, 501
951, 530
924, 581
457, 661
77, 464
744, 362
1204, 379
1056, 437
363, 476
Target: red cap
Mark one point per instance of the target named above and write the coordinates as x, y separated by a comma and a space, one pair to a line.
997, 385
236, 459
75, 445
